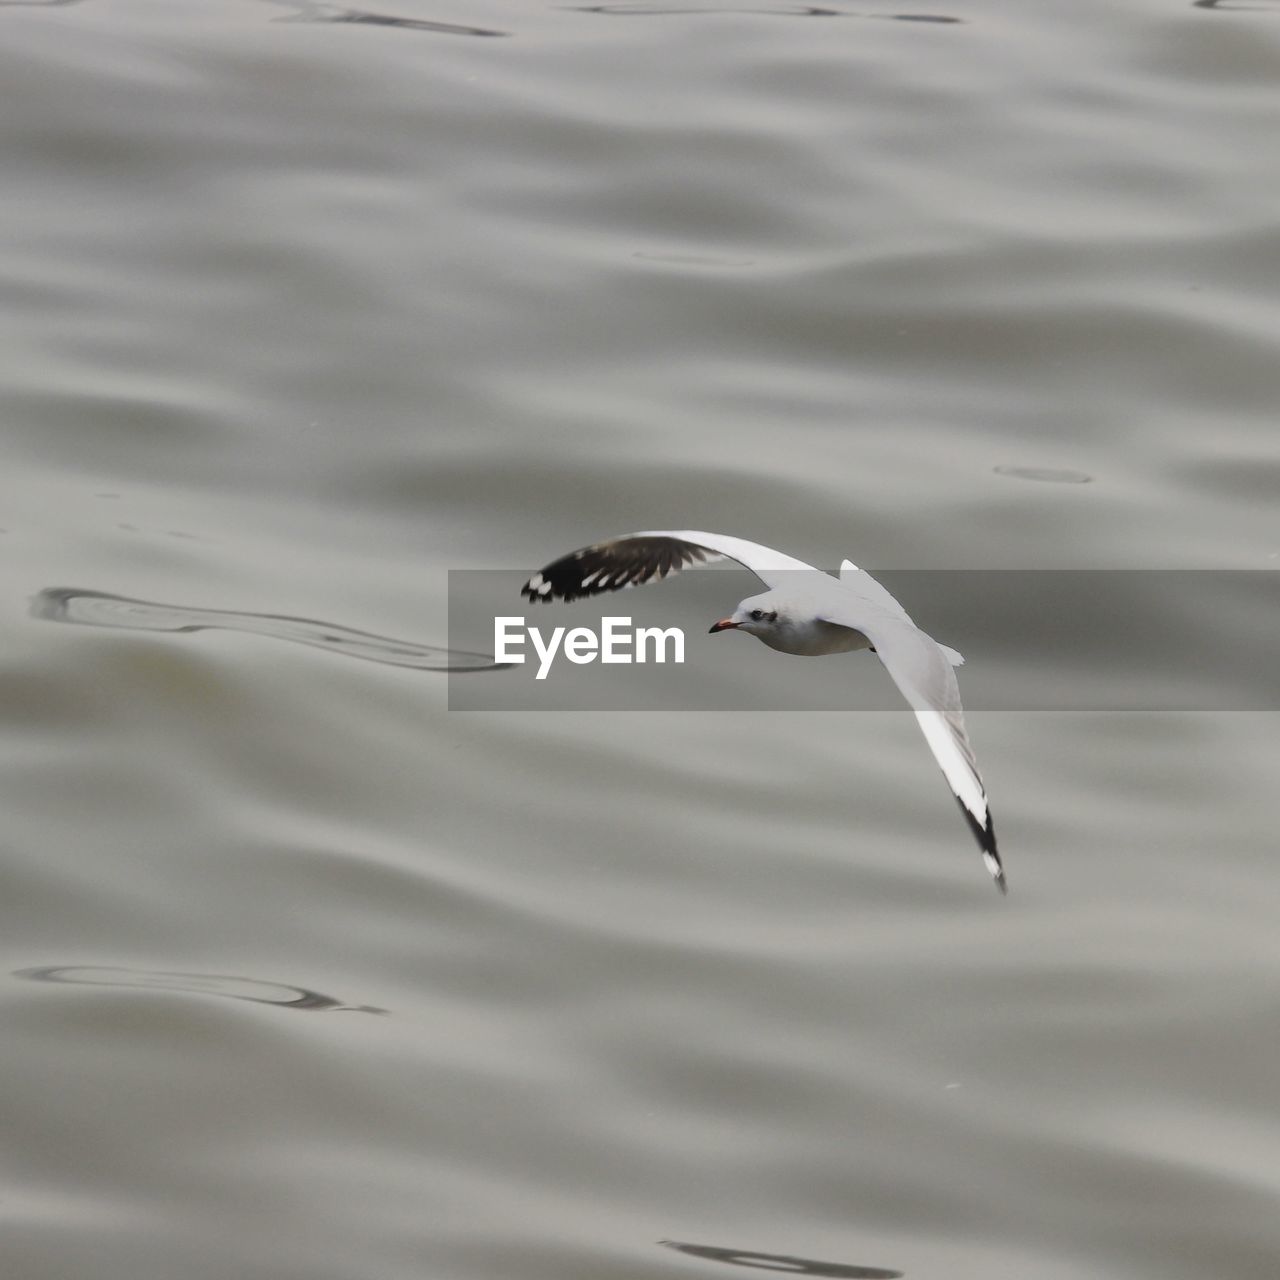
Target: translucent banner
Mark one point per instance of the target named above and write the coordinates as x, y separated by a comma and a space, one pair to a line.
1032, 640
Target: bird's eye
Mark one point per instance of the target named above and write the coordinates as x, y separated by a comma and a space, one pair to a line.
757, 614
773, 617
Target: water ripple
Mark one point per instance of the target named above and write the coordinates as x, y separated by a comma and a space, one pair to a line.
307, 12
102, 609
304, 11
1231, 6
782, 1262
778, 11
1048, 475
661, 10
281, 994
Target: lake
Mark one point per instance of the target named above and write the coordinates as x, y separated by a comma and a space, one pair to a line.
313, 310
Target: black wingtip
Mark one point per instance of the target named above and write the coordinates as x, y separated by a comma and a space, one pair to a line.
985, 835
613, 566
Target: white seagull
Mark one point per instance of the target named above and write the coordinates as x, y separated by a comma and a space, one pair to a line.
807, 612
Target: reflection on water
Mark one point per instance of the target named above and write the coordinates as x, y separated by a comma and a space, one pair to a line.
102, 609
1050, 475
280, 994
782, 1262
306, 12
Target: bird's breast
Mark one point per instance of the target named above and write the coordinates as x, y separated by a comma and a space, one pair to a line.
816, 639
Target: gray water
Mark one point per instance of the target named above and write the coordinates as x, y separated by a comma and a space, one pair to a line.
305, 974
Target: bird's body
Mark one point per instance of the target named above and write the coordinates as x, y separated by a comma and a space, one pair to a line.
810, 638
811, 614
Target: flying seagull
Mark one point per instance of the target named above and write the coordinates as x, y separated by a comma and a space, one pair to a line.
805, 611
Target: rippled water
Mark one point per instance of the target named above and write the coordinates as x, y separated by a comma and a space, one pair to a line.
308, 305
102, 609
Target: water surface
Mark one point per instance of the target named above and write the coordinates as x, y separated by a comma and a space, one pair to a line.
309, 304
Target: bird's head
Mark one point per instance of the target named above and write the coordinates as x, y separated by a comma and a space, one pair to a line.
758, 616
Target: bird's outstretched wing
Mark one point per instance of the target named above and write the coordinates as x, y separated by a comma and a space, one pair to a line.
921, 669
865, 587
636, 558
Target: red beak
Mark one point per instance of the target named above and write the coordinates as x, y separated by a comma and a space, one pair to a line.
725, 624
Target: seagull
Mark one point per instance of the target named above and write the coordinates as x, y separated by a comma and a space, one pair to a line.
807, 612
